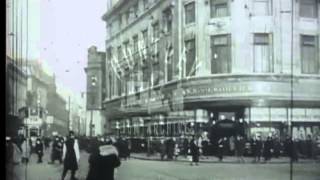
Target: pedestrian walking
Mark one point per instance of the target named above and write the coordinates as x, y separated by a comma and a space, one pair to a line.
71, 156
268, 149
170, 148
47, 142
126, 148
232, 145
176, 151
39, 150
276, 147
295, 149
33, 141
194, 151
309, 147
240, 147
102, 162
56, 150
256, 147
162, 149
185, 146
25, 151
14, 166
220, 149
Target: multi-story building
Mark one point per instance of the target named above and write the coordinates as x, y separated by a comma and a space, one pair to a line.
95, 72
181, 66
16, 96
57, 117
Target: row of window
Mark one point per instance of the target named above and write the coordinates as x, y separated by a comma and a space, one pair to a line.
221, 62
262, 54
221, 8
132, 13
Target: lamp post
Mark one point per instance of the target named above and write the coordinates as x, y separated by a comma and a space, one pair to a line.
69, 113
93, 84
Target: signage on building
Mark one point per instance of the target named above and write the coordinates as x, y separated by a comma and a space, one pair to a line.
49, 119
34, 120
284, 114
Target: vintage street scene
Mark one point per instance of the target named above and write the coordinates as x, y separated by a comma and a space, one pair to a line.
162, 90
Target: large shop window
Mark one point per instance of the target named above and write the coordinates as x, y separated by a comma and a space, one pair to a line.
190, 57
262, 52
262, 7
309, 55
190, 14
219, 8
308, 8
220, 54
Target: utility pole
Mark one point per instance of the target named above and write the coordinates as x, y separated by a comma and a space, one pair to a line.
69, 113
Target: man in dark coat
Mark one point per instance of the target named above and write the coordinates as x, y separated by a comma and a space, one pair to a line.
185, 146
170, 148
195, 151
39, 149
309, 147
102, 162
71, 156
240, 147
277, 147
162, 149
56, 152
220, 149
46, 142
268, 149
256, 146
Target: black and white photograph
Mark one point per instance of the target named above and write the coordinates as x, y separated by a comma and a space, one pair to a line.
162, 90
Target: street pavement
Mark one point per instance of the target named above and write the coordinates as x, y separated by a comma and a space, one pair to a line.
226, 159
137, 169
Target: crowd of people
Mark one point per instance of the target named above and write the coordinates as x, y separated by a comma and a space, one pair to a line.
107, 151
257, 147
105, 154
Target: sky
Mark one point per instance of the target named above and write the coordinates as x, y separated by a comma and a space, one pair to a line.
60, 33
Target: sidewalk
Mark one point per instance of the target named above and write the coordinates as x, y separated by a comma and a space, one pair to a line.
214, 159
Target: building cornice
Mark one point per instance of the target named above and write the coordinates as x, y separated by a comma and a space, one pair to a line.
107, 15
135, 21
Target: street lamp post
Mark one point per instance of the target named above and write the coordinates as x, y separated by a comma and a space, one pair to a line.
69, 113
93, 84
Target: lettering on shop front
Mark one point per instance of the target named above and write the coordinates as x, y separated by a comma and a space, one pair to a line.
133, 101
195, 91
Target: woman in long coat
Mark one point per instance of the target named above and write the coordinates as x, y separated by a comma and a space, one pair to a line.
71, 156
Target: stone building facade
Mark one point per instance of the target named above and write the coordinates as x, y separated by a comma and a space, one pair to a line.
179, 66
